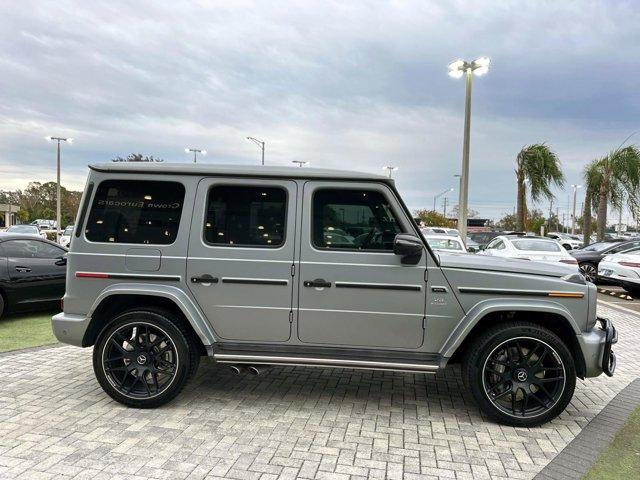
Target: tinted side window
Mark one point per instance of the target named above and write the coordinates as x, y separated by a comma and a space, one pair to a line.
31, 249
353, 219
133, 211
246, 216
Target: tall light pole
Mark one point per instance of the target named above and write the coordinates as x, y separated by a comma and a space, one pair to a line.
457, 69
260, 143
389, 170
195, 151
436, 197
301, 163
573, 215
58, 219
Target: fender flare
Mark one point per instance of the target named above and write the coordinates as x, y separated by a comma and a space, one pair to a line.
186, 305
485, 307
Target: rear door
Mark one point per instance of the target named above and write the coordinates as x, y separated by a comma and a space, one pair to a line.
36, 273
353, 290
241, 252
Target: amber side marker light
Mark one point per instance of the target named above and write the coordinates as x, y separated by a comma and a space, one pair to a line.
566, 294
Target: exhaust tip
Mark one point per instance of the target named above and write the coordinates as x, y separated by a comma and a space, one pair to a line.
253, 370
235, 369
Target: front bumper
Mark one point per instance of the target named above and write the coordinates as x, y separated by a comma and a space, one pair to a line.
596, 347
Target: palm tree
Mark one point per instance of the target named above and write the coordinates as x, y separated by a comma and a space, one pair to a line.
592, 177
538, 166
620, 181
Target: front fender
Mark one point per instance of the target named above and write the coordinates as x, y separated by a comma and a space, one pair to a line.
485, 307
191, 312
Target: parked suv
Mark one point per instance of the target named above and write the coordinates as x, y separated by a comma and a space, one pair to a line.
301, 266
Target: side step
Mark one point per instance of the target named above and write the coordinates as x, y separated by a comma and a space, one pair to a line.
334, 358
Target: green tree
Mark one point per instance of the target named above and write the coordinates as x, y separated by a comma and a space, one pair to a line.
539, 167
507, 223
619, 181
431, 218
137, 157
592, 175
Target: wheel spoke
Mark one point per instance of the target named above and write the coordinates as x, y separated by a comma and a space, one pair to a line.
539, 400
493, 389
513, 401
525, 401
520, 352
503, 394
118, 346
549, 379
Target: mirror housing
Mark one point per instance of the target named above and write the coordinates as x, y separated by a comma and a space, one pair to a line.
409, 247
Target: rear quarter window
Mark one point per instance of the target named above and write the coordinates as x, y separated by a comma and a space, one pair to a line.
134, 211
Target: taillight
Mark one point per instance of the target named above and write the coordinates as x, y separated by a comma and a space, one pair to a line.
569, 261
630, 264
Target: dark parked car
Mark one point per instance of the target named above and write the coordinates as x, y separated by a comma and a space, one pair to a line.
589, 257
32, 273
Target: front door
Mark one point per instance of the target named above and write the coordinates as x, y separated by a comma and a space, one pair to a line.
353, 290
240, 261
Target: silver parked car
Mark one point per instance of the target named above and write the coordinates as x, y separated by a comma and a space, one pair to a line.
301, 266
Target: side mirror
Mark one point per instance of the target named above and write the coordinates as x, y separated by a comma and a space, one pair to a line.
409, 247
61, 260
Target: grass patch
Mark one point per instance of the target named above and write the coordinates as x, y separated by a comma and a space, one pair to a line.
621, 459
22, 331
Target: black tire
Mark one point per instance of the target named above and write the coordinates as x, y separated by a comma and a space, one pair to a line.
567, 246
589, 270
632, 289
493, 370
1, 305
144, 358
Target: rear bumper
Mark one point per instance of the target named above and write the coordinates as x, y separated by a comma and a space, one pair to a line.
69, 328
596, 346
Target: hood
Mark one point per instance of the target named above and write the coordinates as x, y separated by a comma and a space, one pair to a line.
499, 264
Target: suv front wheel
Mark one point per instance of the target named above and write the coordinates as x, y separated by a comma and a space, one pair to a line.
520, 373
144, 358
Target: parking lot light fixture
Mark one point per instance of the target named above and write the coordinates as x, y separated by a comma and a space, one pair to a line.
58, 215
573, 215
195, 152
390, 169
260, 143
457, 69
436, 197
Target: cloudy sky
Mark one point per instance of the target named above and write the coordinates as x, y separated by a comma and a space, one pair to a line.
354, 85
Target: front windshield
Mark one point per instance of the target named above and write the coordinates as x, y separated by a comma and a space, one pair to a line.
536, 245
22, 229
444, 244
598, 246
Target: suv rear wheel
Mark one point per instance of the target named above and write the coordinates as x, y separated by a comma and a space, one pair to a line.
520, 374
144, 358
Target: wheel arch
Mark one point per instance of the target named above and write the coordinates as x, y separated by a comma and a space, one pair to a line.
120, 298
552, 317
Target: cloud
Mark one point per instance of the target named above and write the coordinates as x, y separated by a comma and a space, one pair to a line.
336, 83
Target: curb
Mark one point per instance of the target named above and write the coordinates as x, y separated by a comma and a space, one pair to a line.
30, 349
616, 293
577, 458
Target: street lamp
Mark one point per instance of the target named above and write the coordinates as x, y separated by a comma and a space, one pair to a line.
436, 197
573, 216
389, 169
195, 151
260, 143
300, 163
457, 69
58, 220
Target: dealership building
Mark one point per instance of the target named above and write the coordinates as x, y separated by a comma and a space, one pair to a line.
8, 214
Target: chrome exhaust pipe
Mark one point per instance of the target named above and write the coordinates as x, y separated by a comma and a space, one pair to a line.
257, 370
236, 369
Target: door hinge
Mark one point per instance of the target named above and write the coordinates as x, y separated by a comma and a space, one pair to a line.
293, 270
290, 316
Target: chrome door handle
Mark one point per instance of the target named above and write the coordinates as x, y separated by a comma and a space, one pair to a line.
23, 269
206, 278
317, 283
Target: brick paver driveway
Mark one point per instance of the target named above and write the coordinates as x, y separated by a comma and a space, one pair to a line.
55, 422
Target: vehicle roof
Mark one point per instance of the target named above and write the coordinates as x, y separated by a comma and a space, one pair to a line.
4, 236
442, 237
267, 171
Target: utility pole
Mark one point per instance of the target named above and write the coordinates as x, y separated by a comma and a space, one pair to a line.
558, 218
550, 213
260, 143
445, 200
58, 208
573, 215
195, 151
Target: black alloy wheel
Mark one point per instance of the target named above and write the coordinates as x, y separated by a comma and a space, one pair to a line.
524, 377
520, 373
144, 358
589, 271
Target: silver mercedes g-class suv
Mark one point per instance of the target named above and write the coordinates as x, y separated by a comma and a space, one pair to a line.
299, 266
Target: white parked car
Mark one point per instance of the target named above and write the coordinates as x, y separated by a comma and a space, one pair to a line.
65, 238
537, 249
569, 242
26, 230
445, 242
623, 269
